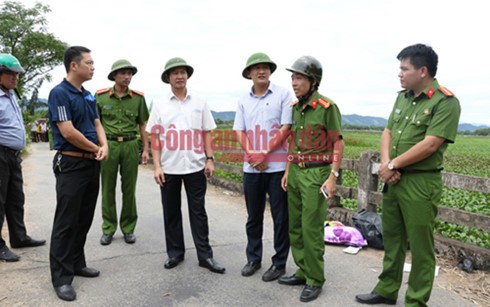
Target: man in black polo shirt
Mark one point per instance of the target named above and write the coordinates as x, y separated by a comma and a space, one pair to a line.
81, 143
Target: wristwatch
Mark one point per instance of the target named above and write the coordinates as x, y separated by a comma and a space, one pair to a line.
335, 173
391, 166
210, 158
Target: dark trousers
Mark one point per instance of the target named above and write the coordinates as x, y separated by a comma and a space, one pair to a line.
77, 188
195, 189
256, 187
11, 196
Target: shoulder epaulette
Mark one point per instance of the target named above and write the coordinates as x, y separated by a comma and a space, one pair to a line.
325, 103
295, 103
137, 92
445, 91
102, 91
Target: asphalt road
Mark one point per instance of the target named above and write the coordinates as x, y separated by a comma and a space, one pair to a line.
133, 275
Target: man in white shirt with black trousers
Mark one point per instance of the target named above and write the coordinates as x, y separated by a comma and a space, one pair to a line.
180, 128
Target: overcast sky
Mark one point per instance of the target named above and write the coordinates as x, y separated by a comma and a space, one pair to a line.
356, 41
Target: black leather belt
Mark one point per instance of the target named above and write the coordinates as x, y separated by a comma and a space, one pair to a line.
121, 138
312, 164
10, 150
418, 171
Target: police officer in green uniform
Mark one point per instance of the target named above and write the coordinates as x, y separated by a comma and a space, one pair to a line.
422, 123
123, 113
314, 161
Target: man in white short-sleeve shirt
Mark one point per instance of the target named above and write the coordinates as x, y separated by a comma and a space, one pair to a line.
180, 128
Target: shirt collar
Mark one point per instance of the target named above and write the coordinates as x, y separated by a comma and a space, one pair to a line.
428, 91
312, 102
72, 88
171, 96
2, 93
128, 92
270, 90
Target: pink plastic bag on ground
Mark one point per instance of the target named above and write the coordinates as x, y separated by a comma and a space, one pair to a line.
344, 235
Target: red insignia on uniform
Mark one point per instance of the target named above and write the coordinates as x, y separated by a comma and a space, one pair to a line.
313, 104
325, 103
430, 92
102, 91
295, 103
445, 91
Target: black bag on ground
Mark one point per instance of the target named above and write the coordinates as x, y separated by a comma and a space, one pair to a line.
369, 224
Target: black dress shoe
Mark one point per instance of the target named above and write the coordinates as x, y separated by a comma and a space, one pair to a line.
250, 268
292, 280
129, 238
373, 298
7, 255
87, 272
273, 273
106, 239
173, 262
66, 292
212, 265
310, 293
28, 242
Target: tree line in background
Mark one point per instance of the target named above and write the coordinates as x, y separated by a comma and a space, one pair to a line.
24, 34
479, 132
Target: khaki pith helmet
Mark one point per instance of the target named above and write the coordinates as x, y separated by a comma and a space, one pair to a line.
174, 63
258, 58
121, 64
308, 66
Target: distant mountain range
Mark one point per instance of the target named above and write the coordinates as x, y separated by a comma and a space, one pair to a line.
354, 119
351, 119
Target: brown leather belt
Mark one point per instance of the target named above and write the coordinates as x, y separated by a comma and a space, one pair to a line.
78, 154
121, 138
312, 164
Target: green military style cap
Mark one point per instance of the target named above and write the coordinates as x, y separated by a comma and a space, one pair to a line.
9, 62
174, 63
258, 58
121, 64
308, 66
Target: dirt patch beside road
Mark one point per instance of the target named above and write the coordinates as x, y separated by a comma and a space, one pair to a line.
473, 286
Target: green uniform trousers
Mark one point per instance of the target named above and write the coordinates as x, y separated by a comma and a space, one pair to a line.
307, 212
409, 212
123, 155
